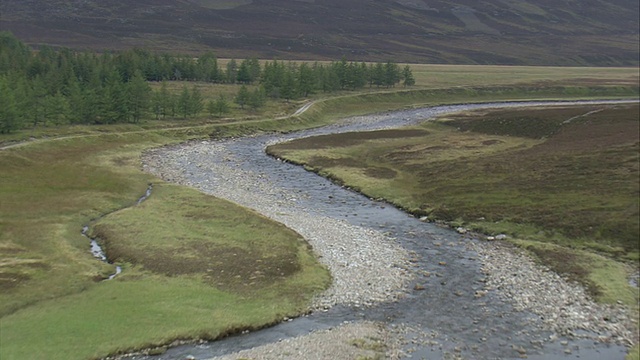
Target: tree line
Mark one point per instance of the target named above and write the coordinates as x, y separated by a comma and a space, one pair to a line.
63, 86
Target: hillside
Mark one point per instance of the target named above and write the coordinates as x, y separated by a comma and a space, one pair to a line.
531, 32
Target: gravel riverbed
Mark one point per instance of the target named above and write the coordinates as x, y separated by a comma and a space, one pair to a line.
366, 266
369, 267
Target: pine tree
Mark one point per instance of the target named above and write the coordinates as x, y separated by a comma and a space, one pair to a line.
161, 101
391, 74
257, 98
196, 102
36, 96
57, 109
407, 77
306, 80
76, 103
139, 95
219, 106
244, 76
242, 97
232, 71
114, 100
183, 102
288, 85
378, 75
8, 111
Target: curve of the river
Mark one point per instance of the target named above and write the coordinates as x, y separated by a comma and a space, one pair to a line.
457, 322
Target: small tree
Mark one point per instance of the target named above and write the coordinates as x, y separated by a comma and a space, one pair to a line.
139, 94
218, 107
159, 101
8, 111
257, 98
232, 71
378, 75
242, 98
288, 87
306, 80
57, 109
183, 102
196, 102
391, 74
407, 77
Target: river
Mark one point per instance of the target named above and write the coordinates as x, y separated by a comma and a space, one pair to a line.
445, 311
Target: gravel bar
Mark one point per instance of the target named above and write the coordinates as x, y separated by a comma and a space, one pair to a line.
367, 267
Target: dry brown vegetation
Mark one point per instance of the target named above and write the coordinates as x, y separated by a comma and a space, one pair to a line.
441, 31
567, 175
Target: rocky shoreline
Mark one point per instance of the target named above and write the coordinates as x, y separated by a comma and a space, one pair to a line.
563, 307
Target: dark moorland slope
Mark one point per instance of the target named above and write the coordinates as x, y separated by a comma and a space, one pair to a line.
532, 32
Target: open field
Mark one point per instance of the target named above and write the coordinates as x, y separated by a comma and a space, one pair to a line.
71, 176
564, 175
51, 285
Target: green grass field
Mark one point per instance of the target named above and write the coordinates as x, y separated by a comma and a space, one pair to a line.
51, 295
177, 280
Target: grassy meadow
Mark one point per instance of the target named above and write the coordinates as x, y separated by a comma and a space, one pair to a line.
199, 267
177, 280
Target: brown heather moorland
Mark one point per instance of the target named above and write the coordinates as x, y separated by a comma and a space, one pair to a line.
531, 32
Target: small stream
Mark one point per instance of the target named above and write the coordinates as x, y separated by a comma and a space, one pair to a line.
455, 324
96, 249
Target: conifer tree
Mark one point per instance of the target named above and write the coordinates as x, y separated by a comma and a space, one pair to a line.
183, 105
9, 120
232, 71
257, 98
56, 109
306, 80
114, 100
220, 106
288, 85
391, 74
161, 101
139, 95
407, 77
242, 97
196, 102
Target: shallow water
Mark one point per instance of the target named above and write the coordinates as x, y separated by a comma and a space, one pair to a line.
96, 249
446, 313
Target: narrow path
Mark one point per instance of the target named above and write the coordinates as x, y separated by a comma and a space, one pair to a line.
298, 112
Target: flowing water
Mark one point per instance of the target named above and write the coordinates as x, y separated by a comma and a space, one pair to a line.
96, 249
447, 318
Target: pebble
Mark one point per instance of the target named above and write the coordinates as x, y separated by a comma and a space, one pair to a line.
563, 306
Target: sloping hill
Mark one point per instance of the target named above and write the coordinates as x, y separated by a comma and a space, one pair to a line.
540, 32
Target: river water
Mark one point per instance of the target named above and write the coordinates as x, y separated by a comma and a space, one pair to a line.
447, 318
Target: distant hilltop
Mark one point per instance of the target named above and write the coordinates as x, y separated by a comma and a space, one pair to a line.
522, 32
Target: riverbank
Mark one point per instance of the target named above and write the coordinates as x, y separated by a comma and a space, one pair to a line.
366, 266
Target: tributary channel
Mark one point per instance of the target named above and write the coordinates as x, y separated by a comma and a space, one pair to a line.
458, 323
